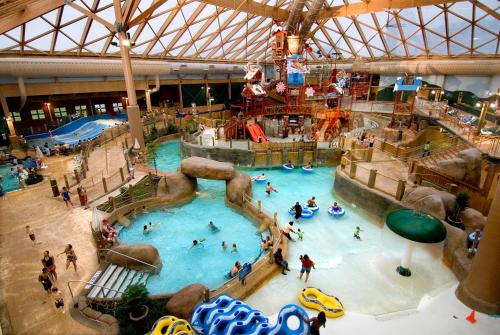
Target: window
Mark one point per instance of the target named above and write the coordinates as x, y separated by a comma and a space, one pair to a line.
81, 110
37, 114
100, 108
59, 112
16, 116
117, 107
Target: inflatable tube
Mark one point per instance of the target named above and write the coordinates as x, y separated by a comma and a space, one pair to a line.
314, 208
307, 213
314, 298
288, 168
260, 180
227, 316
336, 214
170, 325
307, 170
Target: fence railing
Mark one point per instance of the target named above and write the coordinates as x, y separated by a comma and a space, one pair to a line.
291, 146
374, 179
130, 257
145, 188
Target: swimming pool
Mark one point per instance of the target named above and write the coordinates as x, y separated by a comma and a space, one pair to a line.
177, 227
9, 182
361, 273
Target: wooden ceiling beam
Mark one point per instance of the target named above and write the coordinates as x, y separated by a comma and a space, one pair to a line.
31, 10
374, 6
250, 7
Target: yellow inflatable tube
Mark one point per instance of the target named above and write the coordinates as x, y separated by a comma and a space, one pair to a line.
314, 298
170, 325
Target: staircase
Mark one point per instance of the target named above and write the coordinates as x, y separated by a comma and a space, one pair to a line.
442, 154
114, 280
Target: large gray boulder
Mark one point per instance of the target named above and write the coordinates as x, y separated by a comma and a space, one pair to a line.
428, 200
473, 219
236, 187
183, 303
472, 158
178, 185
143, 252
198, 167
454, 167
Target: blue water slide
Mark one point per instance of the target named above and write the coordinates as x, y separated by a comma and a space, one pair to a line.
242, 326
224, 321
281, 328
199, 316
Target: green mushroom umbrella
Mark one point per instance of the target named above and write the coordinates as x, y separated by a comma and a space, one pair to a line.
415, 226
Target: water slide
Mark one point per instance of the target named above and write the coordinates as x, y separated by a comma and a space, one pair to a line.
255, 130
228, 316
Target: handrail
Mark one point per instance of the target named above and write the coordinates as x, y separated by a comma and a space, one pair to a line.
88, 283
127, 256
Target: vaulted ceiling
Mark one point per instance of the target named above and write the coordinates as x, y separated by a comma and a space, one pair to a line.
236, 30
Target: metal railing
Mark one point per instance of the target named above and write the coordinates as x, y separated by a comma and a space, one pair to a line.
130, 257
91, 284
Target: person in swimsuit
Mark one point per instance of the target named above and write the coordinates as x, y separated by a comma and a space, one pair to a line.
289, 164
300, 234
213, 227
224, 245
336, 207
307, 264
58, 300
297, 208
66, 197
49, 263
31, 235
316, 323
288, 229
356, 233
45, 280
235, 269
110, 233
270, 189
70, 256
197, 243
235, 248
311, 202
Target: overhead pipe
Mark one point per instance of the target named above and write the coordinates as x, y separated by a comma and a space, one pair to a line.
311, 16
430, 67
85, 67
295, 15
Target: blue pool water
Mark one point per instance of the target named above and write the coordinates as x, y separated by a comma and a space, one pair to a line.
167, 156
9, 182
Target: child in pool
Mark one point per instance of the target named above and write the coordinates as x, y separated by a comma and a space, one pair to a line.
336, 207
311, 202
235, 248
58, 300
356, 233
198, 243
224, 245
270, 189
213, 227
289, 164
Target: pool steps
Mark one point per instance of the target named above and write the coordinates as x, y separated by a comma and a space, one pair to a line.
114, 280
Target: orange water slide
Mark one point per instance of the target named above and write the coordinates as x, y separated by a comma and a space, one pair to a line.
255, 130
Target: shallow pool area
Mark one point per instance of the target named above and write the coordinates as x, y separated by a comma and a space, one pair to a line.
361, 273
9, 182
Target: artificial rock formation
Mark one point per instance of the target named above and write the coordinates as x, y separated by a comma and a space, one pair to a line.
198, 167
143, 252
183, 303
473, 219
465, 167
179, 185
429, 200
236, 187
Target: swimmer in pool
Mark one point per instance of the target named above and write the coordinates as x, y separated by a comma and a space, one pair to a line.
289, 164
224, 245
311, 202
213, 227
235, 248
336, 207
356, 233
260, 177
308, 166
270, 189
197, 243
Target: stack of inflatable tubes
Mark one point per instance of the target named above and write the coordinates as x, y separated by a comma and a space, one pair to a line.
315, 298
307, 212
170, 325
228, 316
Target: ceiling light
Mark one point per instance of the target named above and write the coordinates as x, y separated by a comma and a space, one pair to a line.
478, 104
493, 105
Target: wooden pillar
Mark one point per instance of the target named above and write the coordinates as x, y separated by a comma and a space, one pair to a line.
401, 189
352, 172
480, 290
8, 116
179, 87
480, 122
229, 87
134, 115
372, 178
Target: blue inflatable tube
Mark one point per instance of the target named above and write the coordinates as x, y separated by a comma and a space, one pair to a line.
288, 168
260, 180
314, 208
307, 213
307, 170
228, 316
336, 214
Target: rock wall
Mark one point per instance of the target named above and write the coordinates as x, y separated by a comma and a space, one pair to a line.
429, 200
329, 156
466, 166
183, 303
199, 167
143, 252
369, 200
236, 187
235, 156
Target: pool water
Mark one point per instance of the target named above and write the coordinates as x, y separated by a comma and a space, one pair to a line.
361, 273
8, 182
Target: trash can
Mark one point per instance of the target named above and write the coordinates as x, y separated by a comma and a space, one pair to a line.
55, 189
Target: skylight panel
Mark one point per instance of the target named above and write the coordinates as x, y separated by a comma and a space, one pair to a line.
63, 43
440, 49
6, 42
146, 34
36, 27
42, 43
96, 31
463, 9
455, 24
51, 16
96, 47
489, 48
70, 14
75, 30
456, 49
15, 33
429, 12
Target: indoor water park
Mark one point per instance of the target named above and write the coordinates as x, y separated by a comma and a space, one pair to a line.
287, 167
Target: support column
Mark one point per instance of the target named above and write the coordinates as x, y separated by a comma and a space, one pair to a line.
229, 87
148, 99
134, 114
179, 85
480, 290
480, 122
8, 116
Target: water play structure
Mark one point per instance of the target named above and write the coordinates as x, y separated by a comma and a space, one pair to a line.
228, 316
